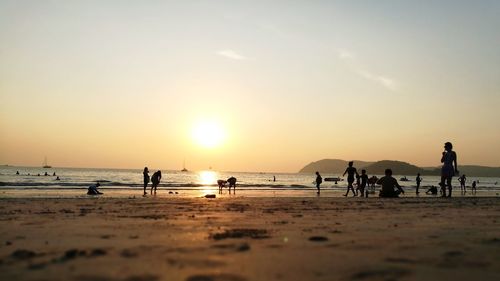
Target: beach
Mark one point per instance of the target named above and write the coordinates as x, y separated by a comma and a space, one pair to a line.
234, 238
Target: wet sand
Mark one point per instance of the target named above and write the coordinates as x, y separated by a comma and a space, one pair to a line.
242, 238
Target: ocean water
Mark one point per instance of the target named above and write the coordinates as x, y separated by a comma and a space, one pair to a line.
193, 183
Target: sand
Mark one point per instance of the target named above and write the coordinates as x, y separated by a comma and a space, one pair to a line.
241, 238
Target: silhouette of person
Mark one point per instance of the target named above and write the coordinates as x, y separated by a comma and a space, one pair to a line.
274, 178
146, 179
449, 169
319, 180
474, 187
54, 174
364, 182
350, 171
155, 180
433, 190
388, 184
418, 180
232, 183
46, 174
462, 179
58, 178
92, 190
17, 173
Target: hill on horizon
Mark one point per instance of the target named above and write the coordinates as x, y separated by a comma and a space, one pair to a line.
338, 166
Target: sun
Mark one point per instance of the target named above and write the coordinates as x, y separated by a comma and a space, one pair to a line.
208, 133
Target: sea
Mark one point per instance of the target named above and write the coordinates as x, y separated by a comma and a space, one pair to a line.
41, 182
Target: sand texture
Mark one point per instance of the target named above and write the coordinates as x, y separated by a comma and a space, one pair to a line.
238, 239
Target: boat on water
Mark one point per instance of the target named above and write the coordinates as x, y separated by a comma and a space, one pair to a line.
45, 165
184, 167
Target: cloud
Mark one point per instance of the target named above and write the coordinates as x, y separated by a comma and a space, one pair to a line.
230, 54
350, 59
345, 54
382, 80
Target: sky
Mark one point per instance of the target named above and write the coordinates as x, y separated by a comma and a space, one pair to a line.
128, 84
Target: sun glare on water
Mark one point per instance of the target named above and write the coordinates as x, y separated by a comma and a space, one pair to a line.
208, 134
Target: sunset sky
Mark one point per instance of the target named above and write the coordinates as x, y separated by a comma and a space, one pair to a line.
126, 84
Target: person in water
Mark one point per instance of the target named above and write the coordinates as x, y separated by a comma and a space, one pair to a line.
474, 187
93, 189
390, 186
17, 173
350, 171
462, 179
145, 173
418, 180
449, 169
319, 180
155, 180
364, 183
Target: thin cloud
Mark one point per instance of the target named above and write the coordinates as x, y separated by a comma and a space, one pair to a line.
350, 59
230, 54
382, 80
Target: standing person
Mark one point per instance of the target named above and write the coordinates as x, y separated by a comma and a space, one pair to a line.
350, 171
364, 182
155, 180
473, 187
388, 184
462, 179
449, 169
145, 173
418, 180
319, 180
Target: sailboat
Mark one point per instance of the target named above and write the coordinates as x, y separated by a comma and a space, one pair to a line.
45, 165
184, 167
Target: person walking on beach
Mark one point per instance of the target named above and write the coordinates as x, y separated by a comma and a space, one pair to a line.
462, 179
155, 180
319, 180
145, 173
350, 171
449, 169
473, 190
364, 183
388, 185
418, 180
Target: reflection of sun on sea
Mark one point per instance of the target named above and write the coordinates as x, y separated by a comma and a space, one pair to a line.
207, 178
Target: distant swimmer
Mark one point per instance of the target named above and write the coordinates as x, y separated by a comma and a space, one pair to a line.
155, 180
418, 180
145, 173
232, 183
319, 180
449, 169
17, 173
46, 174
57, 179
93, 189
350, 171
54, 174
390, 186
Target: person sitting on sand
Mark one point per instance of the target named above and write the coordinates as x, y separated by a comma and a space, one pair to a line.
155, 180
145, 173
432, 190
232, 183
93, 189
388, 185
350, 171
319, 180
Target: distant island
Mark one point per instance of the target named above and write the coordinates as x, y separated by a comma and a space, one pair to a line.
337, 166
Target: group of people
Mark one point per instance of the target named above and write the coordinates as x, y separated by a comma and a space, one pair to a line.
391, 187
155, 180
